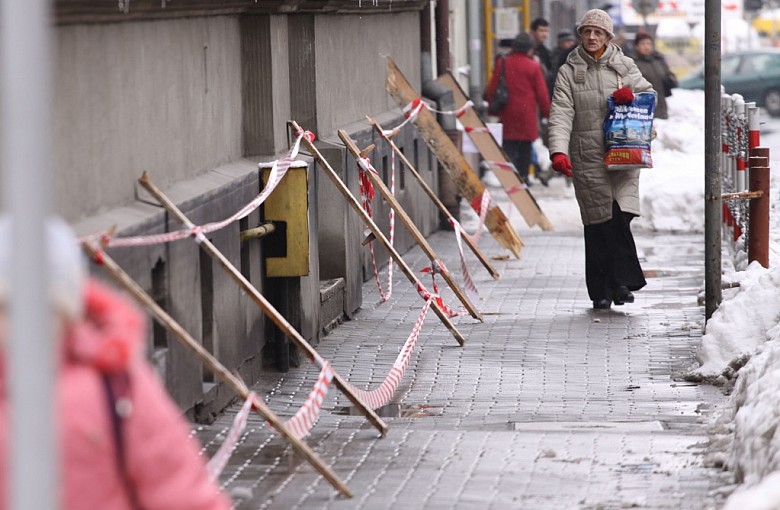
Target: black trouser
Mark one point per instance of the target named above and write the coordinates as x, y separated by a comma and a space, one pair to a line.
519, 153
610, 256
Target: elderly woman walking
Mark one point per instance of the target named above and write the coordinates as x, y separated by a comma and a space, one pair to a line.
608, 199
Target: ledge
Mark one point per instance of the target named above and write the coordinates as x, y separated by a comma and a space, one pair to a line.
68, 12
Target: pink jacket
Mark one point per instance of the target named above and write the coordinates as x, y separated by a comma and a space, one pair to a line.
163, 467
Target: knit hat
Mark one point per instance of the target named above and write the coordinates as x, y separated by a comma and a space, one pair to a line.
66, 266
599, 19
522, 43
641, 36
566, 35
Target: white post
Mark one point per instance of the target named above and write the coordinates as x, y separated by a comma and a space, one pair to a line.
754, 133
25, 99
741, 130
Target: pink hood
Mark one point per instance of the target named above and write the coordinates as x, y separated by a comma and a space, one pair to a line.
162, 465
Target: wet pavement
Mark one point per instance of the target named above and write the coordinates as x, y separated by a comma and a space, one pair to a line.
550, 404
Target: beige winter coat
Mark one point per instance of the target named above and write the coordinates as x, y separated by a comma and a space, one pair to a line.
579, 107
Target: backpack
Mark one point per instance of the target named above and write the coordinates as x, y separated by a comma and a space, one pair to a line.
501, 95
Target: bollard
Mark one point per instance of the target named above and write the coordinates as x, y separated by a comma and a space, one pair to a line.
754, 127
740, 150
754, 132
758, 229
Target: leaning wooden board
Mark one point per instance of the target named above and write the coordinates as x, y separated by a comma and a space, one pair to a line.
492, 153
468, 183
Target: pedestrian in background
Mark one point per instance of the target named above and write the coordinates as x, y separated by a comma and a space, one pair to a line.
608, 200
540, 32
654, 68
123, 444
566, 43
528, 98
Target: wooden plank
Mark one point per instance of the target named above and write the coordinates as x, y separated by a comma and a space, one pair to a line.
410, 226
262, 303
468, 182
491, 152
353, 202
218, 369
432, 195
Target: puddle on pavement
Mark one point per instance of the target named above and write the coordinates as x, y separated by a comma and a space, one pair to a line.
584, 426
397, 411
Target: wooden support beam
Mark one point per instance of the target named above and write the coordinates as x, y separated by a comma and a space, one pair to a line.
410, 226
453, 161
353, 202
211, 363
432, 195
263, 304
492, 152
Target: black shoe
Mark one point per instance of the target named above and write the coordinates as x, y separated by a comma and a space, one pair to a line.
623, 295
602, 304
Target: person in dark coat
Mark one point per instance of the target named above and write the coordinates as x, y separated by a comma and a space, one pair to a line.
528, 98
540, 31
566, 43
654, 68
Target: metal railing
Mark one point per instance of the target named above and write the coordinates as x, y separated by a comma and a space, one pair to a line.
744, 178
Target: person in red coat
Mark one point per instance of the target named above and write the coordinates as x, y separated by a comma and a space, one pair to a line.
528, 99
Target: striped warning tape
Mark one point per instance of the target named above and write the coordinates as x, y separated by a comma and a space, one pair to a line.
278, 171
220, 459
367, 194
384, 393
299, 425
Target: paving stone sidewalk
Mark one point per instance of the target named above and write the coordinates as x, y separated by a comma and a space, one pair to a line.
550, 405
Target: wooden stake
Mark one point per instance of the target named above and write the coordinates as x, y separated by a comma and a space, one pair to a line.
211, 363
410, 226
353, 202
432, 195
453, 161
490, 150
263, 304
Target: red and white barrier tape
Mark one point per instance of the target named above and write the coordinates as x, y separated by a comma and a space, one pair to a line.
367, 194
382, 395
435, 267
468, 282
278, 171
412, 109
220, 459
476, 129
481, 206
301, 423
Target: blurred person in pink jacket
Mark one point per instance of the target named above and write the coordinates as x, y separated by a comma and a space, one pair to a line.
123, 443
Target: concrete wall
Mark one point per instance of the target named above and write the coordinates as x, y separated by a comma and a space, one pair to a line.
162, 96
197, 102
351, 66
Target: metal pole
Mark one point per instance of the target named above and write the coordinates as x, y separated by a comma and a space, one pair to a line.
758, 242
33, 459
475, 51
712, 149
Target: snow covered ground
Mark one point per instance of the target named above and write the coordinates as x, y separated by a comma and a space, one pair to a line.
742, 339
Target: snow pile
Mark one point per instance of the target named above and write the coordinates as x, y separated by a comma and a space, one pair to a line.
753, 409
672, 192
739, 326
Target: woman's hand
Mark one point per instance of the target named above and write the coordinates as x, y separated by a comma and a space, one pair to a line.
623, 95
561, 164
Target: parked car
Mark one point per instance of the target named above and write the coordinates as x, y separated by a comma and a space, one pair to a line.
753, 74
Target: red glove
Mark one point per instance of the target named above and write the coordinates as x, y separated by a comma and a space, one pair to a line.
561, 163
623, 96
